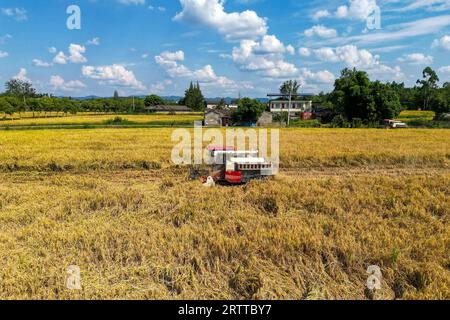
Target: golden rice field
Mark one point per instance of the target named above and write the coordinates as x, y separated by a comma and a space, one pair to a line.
99, 119
110, 202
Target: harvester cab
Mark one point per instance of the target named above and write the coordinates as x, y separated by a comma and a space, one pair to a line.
238, 167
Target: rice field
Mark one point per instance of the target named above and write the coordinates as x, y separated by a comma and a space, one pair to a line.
111, 202
100, 119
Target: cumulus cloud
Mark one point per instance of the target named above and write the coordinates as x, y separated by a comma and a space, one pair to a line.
357, 10
321, 31
416, 58
271, 64
443, 43
115, 74
362, 59
40, 63
22, 75
58, 83
304, 52
3, 54
321, 14
211, 13
76, 52
170, 62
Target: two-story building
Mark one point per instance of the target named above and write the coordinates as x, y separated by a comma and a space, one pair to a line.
297, 106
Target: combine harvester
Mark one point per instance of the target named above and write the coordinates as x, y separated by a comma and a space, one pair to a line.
236, 167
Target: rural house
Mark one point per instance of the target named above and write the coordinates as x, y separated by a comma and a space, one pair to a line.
265, 120
217, 118
297, 106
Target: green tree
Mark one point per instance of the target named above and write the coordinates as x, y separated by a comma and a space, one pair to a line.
428, 86
441, 101
352, 95
153, 100
249, 110
194, 99
290, 87
386, 99
116, 95
19, 88
5, 107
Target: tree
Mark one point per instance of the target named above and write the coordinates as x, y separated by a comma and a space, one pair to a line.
153, 100
352, 95
249, 110
19, 88
356, 97
290, 87
6, 107
222, 104
194, 99
386, 99
428, 86
116, 95
441, 101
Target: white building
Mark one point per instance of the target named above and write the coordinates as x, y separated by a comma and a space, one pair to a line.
297, 106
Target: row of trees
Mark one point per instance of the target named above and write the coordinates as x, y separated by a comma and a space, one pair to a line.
355, 96
20, 96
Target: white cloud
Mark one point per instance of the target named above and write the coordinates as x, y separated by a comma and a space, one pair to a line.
443, 42
324, 76
22, 75
60, 58
430, 5
58, 83
349, 54
115, 74
445, 69
416, 58
206, 75
52, 50
356, 10
362, 59
290, 49
304, 52
93, 42
40, 63
321, 31
3, 54
211, 13
20, 14
321, 14
270, 64
76, 52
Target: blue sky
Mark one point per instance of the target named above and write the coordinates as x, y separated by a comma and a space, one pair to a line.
246, 46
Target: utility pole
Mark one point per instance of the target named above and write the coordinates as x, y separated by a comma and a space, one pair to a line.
134, 106
290, 104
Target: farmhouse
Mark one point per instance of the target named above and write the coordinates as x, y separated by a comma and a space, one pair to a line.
217, 118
